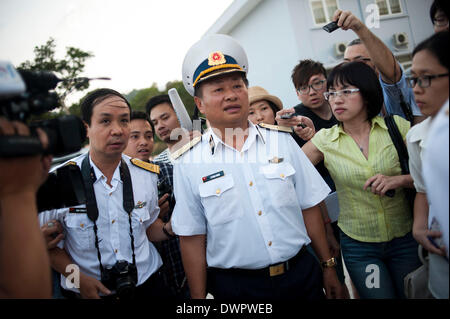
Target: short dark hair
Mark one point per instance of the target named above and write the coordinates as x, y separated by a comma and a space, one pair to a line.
439, 5
365, 79
437, 45
95, 97
198, 92
139, 115
303, 71
157, 100
355, 42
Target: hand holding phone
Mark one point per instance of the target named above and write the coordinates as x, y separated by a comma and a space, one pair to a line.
287, 116
330, 27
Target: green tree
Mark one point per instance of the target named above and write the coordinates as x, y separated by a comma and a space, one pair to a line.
140, 97
69, 68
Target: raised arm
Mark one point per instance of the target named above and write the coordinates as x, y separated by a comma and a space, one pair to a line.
24, 264
379, 53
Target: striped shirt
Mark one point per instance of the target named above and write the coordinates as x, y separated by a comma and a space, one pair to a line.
164, 156
365, 216
172, 269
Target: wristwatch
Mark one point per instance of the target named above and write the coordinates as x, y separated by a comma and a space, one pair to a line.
329, 263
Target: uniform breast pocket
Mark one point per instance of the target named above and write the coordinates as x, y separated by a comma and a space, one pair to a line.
80, 230
220, 200
139, 218
280, 181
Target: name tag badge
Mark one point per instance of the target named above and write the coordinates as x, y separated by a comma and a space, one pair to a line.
213, 176
79, 210
276, 160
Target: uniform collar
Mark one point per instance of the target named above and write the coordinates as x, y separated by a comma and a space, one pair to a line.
214, 141
419, 131
99, 174
376, 121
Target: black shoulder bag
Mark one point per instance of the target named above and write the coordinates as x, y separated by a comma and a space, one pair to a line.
403, 156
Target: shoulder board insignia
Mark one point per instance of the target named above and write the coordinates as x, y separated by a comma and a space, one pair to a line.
279, 128
70, 163
186, 147
144, 165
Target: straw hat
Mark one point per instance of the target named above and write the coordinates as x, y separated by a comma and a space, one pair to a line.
257, 93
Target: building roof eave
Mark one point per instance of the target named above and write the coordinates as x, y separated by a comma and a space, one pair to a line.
232, 16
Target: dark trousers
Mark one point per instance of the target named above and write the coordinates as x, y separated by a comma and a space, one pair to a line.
303, 281
153, 287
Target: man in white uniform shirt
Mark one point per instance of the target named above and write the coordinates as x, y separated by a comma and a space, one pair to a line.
253, 195
124, 201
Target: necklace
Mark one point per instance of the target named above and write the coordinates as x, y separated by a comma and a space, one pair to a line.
361, 148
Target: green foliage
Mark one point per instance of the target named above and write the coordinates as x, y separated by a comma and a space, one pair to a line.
68, 68
138, 99
75, 109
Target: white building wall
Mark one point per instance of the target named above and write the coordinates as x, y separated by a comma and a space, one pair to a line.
277, 34
267, 36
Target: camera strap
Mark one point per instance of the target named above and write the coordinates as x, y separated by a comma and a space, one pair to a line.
89, 179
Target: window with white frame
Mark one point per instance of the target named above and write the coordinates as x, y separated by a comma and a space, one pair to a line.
389, 7
323, 10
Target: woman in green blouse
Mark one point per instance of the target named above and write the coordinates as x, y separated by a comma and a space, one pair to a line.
376, 240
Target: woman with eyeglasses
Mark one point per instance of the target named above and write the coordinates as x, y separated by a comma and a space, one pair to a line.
429, 81
375, 229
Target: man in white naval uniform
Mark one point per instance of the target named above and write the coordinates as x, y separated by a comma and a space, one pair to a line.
249, 191
118, 234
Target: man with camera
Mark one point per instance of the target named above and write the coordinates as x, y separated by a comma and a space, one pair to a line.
24, 263
107, 238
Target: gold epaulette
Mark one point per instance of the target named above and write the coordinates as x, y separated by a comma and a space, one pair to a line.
144, 165
186, 147
279, 128
70, 163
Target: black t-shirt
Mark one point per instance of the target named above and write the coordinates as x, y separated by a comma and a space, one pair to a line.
319, 123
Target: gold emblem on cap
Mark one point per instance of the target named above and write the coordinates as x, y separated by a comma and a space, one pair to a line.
216, 58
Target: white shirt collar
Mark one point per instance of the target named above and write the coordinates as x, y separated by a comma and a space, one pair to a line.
99, 174
419, 132
253, 134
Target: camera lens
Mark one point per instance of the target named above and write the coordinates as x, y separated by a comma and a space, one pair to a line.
125, 287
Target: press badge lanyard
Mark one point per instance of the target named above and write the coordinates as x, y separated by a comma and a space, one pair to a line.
91, 203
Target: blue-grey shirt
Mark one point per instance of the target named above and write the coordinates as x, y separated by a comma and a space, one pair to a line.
391, 94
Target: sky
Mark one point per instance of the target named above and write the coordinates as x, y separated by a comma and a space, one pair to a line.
135, 42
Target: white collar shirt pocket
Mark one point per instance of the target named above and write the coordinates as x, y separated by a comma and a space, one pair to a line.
220, 200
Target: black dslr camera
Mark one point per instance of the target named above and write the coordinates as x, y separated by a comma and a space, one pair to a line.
26, 93
122, 277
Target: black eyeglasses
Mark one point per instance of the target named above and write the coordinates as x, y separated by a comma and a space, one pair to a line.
318, 85
440, 21
424, 81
